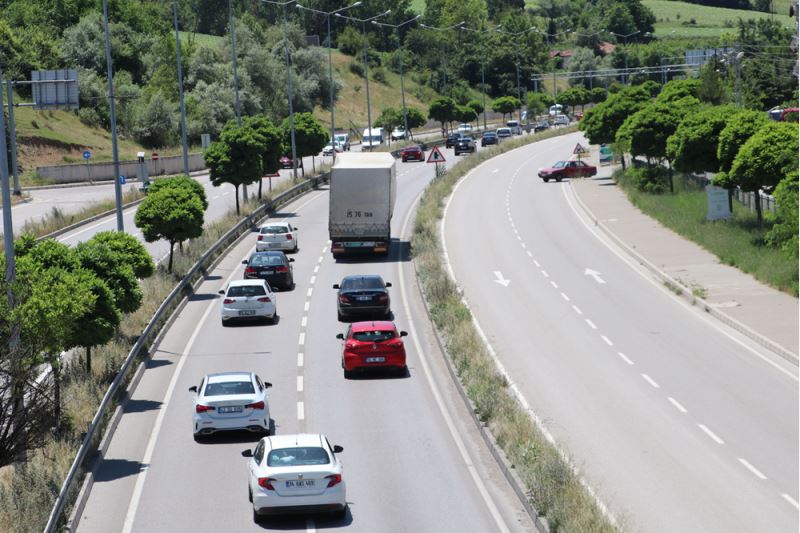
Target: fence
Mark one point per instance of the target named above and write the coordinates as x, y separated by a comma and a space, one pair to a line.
747, 199
90, 442
80, 172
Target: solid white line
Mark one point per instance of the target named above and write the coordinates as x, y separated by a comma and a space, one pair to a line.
301, 411
313, 279
607, 340
309, 292
535, 262
304, 321
299, 358
625, 358
302, 340
577, 310
591, 324
299, 383
306, 306
711, 434
752, 469
790, 500
677, 405
554, 284
545, 274
651, 381
566, 298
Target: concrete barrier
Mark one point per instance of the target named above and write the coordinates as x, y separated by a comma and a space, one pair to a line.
81, 172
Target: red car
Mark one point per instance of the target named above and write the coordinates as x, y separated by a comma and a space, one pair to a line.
567, 169
373, 344
286, 162
414, 152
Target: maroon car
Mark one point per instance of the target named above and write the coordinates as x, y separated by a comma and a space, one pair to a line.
414, 152
567, 169
286, 162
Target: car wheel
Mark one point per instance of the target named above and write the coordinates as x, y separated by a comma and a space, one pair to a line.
257, 518
249, 493
274, 319
341, 514
296, 247
224, 324
340, 316
559, 178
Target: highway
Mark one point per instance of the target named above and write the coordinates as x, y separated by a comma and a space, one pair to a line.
412, 457
678, 423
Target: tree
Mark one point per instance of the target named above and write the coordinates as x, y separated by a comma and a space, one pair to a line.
738, 129
235, 158
600, 124
99, 323
765, 159
107, 265
180, 182
156, 122
677, 89
599, 94
476, 106
784, 234
711, 89
172, 214
646, 131
129, 250
442, 110
272, 144
465, 114
309, 134
506, 105
389, 119
538, 103
415, 118
691, 147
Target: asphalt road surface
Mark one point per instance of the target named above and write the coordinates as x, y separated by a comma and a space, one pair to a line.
412, 458
678, 423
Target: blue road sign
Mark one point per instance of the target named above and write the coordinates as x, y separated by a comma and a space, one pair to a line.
121, 179
87, 154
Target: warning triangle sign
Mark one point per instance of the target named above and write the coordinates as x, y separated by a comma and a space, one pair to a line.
435, 156
580, 149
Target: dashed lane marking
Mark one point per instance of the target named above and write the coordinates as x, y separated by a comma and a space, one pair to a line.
301, 411
577, 309
566, 298
651, 381
591, 324
299, 359
756, 472
625, 358
299, 383
677, 405
713, 436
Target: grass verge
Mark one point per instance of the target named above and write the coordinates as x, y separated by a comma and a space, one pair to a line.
738, 242
553, 488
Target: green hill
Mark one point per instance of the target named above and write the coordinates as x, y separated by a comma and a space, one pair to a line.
682, 19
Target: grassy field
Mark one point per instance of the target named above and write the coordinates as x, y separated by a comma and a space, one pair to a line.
738, 242
708, 21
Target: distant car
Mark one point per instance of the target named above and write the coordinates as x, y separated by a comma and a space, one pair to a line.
286, 162
248, 299
578, 115
412, 153
452, 139
567, 169
503, 133
369, 345
330, 147
398, 134
362, 295
230, 401
465, 128
295, 474
464, 145
344, 140
277, 236
489, 138
515, 127
273, 266
561, 120
541, 126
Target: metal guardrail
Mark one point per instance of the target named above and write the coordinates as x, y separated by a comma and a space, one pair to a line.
88, 445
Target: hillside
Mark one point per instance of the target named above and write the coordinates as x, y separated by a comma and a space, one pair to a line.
677, 17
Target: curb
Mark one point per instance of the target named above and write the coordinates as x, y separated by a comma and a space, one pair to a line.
684, 292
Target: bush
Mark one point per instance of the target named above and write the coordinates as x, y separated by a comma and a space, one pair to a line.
350, 41
90, 117
653, 180
379, 75
357, 68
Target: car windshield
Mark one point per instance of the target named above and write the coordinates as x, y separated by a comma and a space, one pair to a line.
466, 139
560, 164
349, 284
300, 456
229, 387
373, 336
490, 135
265, 260
274, 230
246, 290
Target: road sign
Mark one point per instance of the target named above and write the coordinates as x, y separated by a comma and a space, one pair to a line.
154, 156
579, 150
276, 175
87, 154
435, 156
121, 179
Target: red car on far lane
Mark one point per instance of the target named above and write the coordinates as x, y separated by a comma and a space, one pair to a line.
414, 152
567, 169
373, 344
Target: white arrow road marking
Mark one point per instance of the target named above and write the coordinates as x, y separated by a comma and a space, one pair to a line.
595, 274
500, 279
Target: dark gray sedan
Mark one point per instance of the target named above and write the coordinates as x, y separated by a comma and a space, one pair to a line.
273, 266
363, 296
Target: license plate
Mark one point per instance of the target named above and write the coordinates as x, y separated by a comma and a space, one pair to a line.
375, 359
247, 313
232, 409
364, 298
299, 483
274, 244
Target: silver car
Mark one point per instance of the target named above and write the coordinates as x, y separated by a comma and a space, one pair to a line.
277, 236
230, 401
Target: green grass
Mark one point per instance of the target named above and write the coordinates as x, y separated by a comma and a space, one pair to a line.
709, 21
200, 39
738, 242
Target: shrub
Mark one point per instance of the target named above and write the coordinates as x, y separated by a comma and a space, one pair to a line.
379, 75
88, 116
350, 41
654, 180
357, 68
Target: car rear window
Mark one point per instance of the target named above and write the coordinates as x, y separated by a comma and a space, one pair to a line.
274, 230
299, 456
373, 336
247, 290
361, 283
265, 260
229, 387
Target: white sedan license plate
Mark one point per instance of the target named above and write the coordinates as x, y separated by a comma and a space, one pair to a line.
232, 409
375, 359
247, 313
299, 483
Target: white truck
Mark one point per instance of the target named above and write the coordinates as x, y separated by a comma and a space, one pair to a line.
362, 194
371, 138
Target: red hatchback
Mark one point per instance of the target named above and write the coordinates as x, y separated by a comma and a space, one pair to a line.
414, 152
373, 344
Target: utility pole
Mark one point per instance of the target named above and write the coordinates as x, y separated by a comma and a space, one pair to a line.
180, 89
8, 226
113, 109
236, 81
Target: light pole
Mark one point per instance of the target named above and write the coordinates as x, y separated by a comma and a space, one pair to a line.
402, 58
444, 58
483, 65
180, 89
625, 36
330, 60
366, 64
516, 63
235, 67
113, 110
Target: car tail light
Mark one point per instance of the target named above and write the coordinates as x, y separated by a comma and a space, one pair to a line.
260, 237
266, 483
264, 299
383, 297
343, 298
257, 405
282, 269
335, 479
228, 301
288, 236
200, 408
249, 270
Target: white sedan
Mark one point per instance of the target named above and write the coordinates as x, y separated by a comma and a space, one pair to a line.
295, 474
248, 299
230, 401
330, 147
277, 236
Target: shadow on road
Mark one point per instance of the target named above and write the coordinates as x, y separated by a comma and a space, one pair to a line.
293, 523
140, 406
113, 469
201, 297
399, 252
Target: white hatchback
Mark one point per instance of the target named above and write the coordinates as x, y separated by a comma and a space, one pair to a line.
277, 236
230, 401
295, 474
248, 299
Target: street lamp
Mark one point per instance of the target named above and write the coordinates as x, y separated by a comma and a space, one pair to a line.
516, 63
184, 144
483, 65
330, 59
544, 33
288, 82
444, 58
625, 36
366, 63
402, 59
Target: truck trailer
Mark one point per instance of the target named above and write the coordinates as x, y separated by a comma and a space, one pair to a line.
362, 194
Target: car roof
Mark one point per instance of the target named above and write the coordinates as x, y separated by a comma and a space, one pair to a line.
363, 276
490, 133
412, 147
268, 253
290, 441
373, 325
225, 377
246, 283
273, 224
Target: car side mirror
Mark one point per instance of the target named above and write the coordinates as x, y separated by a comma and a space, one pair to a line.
267, 384
296, 228
222, 292
403, 333
244, 262
335, 285
247, 453
274, 289
340, 336
338, 449
291, 259
388, 284
193, 388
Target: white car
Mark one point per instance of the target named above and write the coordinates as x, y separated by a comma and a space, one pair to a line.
295, 474
248, 299
561, 120
398, 133
330, 147
465, 129
277, 236
230, 401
